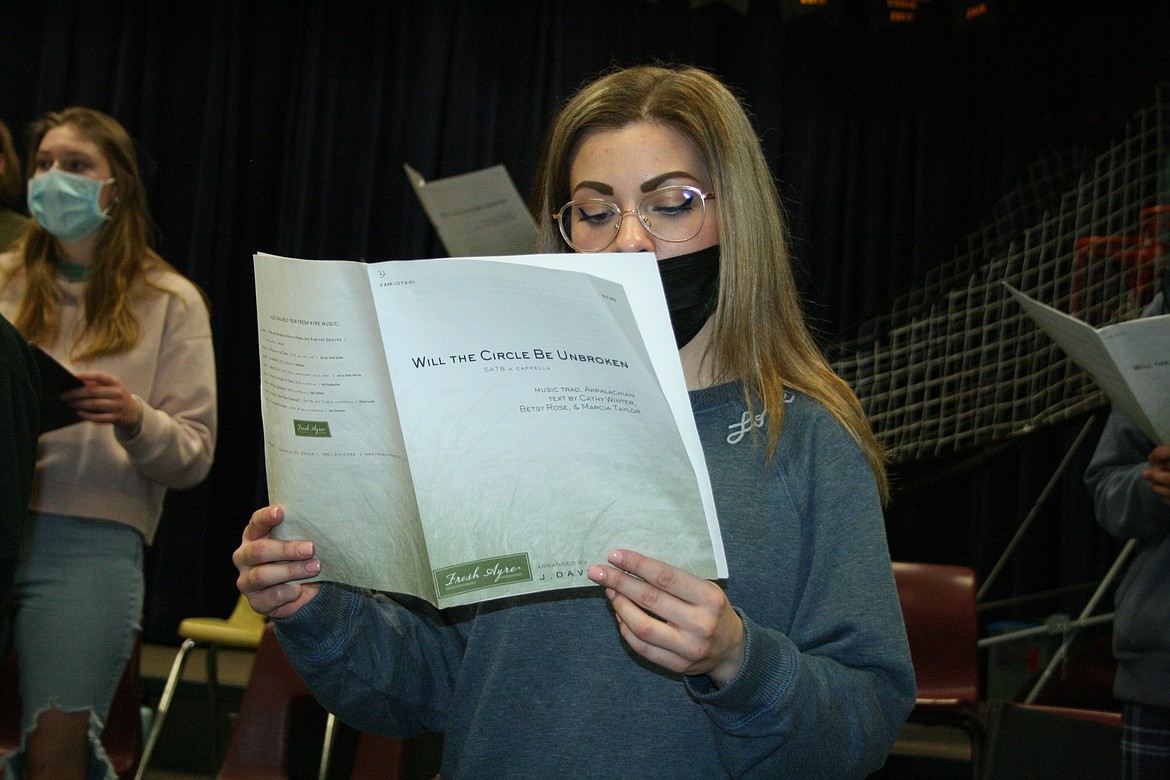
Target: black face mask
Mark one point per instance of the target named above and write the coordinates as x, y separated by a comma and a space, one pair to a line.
691, 283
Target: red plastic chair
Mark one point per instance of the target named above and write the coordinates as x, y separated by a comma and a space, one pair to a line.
1042, 742
942, 625
260, 741
274, 698
377, 757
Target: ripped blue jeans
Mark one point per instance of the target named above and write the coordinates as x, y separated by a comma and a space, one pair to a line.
77, 598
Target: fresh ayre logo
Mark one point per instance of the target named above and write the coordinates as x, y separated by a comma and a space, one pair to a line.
316, 429
484, 573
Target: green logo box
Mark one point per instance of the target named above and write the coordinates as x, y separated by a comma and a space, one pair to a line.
484, 573
317, 429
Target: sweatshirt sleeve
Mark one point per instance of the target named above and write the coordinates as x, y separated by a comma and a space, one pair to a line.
353, 646
176, 442
826, 694
1124, 504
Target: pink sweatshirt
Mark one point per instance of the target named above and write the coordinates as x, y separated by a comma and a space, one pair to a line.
94, 470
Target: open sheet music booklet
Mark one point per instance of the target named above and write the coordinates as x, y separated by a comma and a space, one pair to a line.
1129, 361
476, 214
468, 429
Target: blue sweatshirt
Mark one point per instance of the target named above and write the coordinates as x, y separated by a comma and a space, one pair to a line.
1128, 509
545, 687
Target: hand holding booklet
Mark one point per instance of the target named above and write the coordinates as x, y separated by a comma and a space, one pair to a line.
468, 429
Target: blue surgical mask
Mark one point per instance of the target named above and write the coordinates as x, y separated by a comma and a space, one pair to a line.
66, 204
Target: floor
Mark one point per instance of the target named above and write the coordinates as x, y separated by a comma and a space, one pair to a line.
184, 749
921, 752
177, 756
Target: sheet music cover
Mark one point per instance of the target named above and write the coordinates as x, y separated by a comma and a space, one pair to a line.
1130, 361
477, 214
468, 429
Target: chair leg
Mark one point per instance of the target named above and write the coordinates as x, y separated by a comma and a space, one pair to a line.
213, 703
327, 746
164, 704
977, 751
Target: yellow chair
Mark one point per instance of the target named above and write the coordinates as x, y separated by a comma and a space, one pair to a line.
242, 629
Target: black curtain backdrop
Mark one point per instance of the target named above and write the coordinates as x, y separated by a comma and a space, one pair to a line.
283, 125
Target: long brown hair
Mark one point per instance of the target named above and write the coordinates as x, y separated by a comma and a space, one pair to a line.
11, 184
122, 256
760, 334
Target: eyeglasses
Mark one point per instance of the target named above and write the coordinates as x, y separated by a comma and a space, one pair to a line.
670, 214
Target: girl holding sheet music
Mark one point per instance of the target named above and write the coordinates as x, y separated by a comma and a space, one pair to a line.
797, 665
83, 283
1129, 478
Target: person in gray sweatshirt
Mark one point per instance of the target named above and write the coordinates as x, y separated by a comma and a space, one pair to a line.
1129, 477
796, 665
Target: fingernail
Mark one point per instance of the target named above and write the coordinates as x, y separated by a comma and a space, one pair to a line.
306, 549
313, 567
597, 574
616, 557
